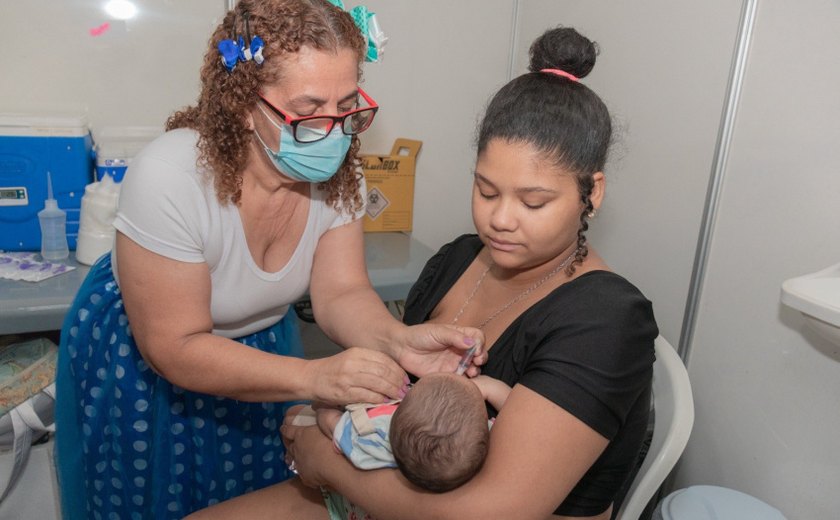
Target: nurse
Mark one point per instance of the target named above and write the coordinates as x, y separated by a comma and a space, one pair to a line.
180, 351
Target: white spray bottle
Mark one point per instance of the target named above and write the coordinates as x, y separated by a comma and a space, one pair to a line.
53, 222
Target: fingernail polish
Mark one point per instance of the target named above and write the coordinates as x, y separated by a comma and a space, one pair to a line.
468, 341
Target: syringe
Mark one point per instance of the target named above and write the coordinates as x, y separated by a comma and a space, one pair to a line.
465, 360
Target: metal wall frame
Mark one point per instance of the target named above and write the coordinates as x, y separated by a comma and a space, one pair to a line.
724, 142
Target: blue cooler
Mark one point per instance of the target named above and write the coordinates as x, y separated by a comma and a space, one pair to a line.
107, 164
31, 146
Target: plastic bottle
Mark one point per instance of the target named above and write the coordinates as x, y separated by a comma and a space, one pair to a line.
96, 229
53, 222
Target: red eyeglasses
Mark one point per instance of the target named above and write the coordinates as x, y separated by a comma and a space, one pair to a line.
310, 129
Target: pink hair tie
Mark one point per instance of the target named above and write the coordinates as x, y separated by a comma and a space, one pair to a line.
558, 72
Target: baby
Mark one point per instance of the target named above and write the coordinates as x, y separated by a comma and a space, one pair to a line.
437, 435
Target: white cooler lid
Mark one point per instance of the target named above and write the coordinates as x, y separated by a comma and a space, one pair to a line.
30, 125
124, 142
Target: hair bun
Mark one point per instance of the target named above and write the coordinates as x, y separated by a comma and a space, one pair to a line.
563, 48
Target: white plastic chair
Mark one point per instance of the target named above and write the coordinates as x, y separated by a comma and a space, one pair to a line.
674, 416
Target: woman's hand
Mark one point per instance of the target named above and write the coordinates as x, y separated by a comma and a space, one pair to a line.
357, 375
309, 449
431, 347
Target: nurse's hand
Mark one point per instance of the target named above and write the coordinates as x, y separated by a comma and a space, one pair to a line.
357, 375
434, 347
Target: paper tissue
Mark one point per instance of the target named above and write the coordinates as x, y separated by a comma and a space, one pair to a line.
29, 267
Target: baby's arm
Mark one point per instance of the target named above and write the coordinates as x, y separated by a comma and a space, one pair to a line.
494, 391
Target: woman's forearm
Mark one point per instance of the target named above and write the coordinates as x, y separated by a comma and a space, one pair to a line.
210, 364
357, 317
403, 501
344, 303
219, 366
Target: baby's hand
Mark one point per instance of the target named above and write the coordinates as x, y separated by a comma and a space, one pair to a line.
494, 391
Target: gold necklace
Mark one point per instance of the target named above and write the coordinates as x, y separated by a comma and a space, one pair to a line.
518, 298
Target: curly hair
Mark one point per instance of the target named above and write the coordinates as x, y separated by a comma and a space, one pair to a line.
221, 114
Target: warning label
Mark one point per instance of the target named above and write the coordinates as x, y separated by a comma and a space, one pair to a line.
376, 203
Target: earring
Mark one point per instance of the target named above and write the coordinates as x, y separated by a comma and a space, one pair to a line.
592, 213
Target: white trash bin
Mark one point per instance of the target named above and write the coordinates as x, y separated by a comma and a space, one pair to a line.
713, 503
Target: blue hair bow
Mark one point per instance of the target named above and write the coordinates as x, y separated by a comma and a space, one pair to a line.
242, 49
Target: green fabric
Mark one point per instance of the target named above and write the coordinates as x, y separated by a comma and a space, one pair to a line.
340, 508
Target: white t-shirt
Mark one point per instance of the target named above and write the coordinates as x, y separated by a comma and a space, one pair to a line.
169, 206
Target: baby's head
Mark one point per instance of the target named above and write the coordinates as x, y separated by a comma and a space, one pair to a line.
439, 433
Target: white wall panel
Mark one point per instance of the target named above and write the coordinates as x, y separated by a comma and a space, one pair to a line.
662, 72
135, 73
767, 389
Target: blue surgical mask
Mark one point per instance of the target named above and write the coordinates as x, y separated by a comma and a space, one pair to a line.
308, 162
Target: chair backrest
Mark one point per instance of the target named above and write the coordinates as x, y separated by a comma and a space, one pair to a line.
674, 416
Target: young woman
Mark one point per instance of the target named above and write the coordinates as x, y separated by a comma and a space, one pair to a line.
573, 339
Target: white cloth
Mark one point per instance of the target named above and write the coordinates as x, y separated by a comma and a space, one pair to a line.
362, 434
168, 205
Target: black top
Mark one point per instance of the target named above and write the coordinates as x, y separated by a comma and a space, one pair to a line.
587, 346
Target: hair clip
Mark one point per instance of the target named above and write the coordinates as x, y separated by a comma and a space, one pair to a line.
238, 48
257, 46
244, 51
253, 51
369, 27
229, 50
230, 54
366, 21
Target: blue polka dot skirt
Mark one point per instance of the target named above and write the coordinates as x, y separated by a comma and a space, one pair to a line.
130, 445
